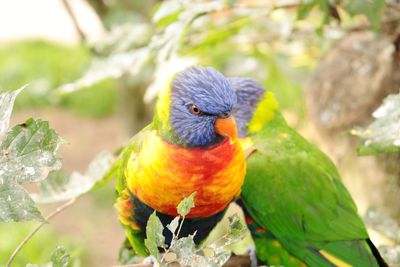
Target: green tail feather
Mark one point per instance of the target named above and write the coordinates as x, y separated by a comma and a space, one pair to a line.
334, 253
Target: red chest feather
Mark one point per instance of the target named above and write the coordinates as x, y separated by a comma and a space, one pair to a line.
163, 174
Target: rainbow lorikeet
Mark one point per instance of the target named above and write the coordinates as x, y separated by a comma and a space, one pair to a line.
191, 146
299, 212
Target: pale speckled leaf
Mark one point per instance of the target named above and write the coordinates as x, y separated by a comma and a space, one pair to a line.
221, 256
237, 230
28, 153
154, 234
186, 205
113, 66
60, 257
387, 226
185, 249
60, 187
383, 223
188, 255
7, 100
16, 205
391, 254
383, 134
173, 225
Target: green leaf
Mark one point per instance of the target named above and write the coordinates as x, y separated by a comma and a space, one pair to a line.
305, 8
167, 13
382, 135
154, 234
6, 105
28, 153
237, 229
113, 66
55, 180
185, 250
186, 205
371, 9
60, 187
109, 174
16, 205
188, 255
59, 257
221, 255
173, 225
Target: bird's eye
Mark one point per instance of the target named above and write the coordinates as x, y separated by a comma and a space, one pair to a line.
194, 110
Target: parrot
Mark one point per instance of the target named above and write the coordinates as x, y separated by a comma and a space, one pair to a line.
297, 209
190, 146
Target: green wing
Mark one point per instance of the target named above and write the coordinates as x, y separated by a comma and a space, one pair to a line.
294, 191
135, 237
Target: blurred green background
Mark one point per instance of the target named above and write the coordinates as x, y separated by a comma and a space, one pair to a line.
96, 85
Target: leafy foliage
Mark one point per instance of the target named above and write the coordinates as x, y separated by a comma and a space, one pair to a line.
186, 205
184, 250
382, 135
61, 187
39, 249
371, 9
389, 228
59, 257
6, 106
28, 154
237, 229
19, 64
154, 235
237, 33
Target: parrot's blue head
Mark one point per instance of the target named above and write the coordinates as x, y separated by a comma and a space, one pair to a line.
249, 93
200, 108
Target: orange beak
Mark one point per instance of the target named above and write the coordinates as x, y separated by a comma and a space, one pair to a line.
226, 127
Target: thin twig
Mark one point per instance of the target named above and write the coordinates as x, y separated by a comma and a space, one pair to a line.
180, 226
71, 14
28, 237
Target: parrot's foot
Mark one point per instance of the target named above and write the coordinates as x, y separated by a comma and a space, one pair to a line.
151, 260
